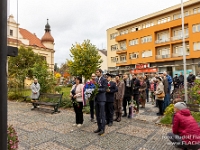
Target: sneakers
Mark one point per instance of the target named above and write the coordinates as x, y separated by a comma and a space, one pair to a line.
74, 125
79, 125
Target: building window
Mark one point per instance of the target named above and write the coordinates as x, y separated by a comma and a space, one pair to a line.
113, 35
124, 32
179, 49
134, 55
164, 51
164, 20
11, 32
135, 28
114, 47
196, 10
123, 58
43, 58
146, 39
147, 53
197, 46
122, 45
133, 42
196, 28
114, 59
178, 16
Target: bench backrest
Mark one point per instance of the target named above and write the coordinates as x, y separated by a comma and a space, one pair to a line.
48, 97
194, 107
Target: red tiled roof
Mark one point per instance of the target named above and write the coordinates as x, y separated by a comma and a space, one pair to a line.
33, 39
14, 41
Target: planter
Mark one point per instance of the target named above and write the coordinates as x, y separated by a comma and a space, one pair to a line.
194, 107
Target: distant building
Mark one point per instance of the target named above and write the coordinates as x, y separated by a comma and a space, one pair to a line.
104, 64
22, 37
153, 43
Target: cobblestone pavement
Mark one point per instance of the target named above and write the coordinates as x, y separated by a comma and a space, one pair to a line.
38, 130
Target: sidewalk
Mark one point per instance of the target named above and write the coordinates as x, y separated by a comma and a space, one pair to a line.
42, 131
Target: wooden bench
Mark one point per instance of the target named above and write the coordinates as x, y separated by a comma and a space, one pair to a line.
47, 99
194, 107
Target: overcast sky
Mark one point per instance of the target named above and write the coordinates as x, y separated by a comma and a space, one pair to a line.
75, 20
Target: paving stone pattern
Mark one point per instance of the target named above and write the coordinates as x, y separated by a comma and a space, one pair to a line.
38, 130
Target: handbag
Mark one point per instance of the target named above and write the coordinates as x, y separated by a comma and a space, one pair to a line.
161, 95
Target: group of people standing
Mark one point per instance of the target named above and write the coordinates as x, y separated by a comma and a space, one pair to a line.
115, 92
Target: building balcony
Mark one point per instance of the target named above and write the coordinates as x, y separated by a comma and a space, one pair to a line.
121, 50
121, 62
179, 55
162, 41
163, 56
179, 37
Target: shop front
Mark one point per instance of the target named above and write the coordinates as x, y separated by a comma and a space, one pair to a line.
142, 69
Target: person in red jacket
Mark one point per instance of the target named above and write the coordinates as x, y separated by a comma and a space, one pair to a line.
186, 131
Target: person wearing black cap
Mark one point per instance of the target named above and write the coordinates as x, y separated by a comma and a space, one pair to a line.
112, 88
176, 82
100, 101
118, 98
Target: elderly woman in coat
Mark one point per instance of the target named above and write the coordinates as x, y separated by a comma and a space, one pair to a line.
142, 90
160, 94
35, 88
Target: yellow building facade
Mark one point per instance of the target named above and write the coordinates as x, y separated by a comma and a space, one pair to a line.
153, 43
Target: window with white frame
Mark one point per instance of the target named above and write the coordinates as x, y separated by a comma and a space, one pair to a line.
11, 32
196, 46
134, 55
196, 10
178, 16
124, 32
164, 20
122, 45
133, 42
164, 36
135, 28
114, 59
114, 47
179, 49
113, 35
146, 39
163, 51
146, 53
196, 28
123, 58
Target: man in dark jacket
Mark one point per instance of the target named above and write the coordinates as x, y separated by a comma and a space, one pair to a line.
135, 85
127, 93
191, 78
176, 82
112, 88
100, 101
181, 79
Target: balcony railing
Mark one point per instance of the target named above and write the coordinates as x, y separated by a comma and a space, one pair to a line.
120, 62
179, 37
162, 40
163, 56
179, 54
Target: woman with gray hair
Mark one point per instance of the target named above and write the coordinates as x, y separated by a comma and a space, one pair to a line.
35, 88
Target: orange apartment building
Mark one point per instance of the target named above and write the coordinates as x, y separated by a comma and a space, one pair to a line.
153, 43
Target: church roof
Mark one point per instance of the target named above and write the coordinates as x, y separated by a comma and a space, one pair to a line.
47, 35
33, 39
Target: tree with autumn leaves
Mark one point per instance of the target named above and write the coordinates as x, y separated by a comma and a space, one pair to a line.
86, 59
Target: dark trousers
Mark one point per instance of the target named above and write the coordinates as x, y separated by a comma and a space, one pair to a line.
147, 92
100, 114
136, 99
126, 100
160, 106
79, 113
109, 112
176, 140
91, 109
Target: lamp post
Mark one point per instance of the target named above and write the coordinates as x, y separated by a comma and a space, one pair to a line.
3, 74
184, 52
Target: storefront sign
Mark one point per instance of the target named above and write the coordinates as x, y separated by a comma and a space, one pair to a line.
147, 70
141, 66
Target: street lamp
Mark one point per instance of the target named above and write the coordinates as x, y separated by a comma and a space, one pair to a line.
184, 52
